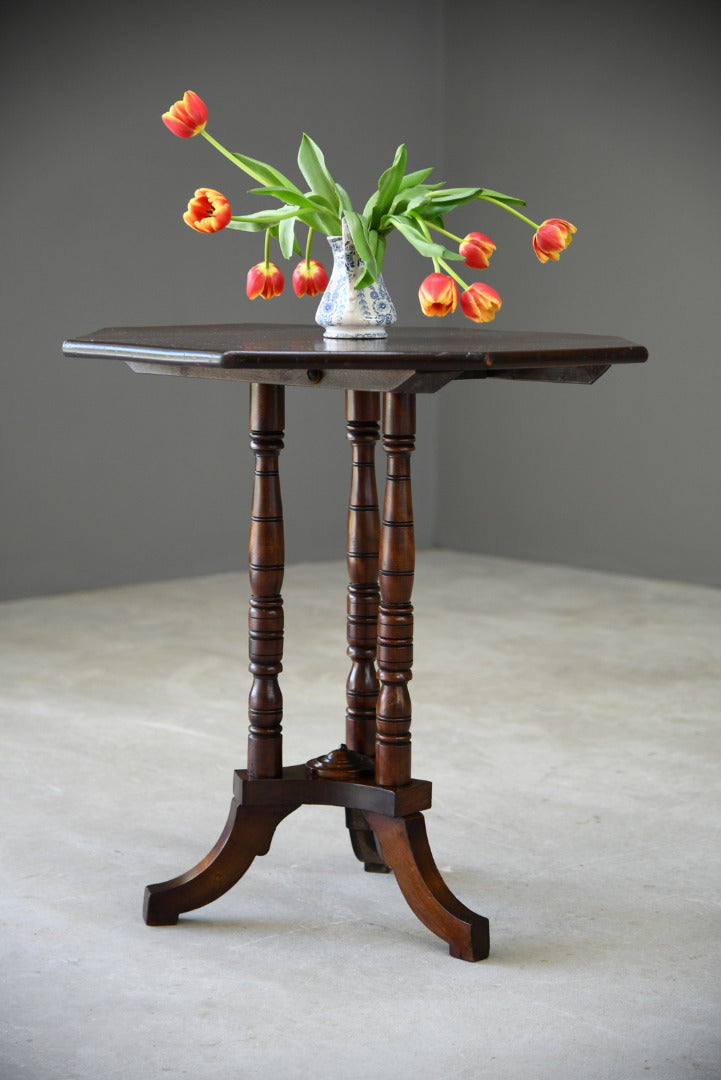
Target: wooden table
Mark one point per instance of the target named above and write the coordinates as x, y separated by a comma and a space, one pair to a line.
370, 772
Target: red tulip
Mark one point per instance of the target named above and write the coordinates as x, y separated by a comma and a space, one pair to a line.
476, 250
438, 295
264, 280
480, 302
309, 278
208, 211
552, 237
187, 117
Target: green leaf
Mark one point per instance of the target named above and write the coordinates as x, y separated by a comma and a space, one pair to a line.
380, 249
312, 165
415, 236
346, 204
243, 225
487, 193
264, 174
415, 178
363, 243
286, 237
264, 219
388, 185
321, 216
410, 198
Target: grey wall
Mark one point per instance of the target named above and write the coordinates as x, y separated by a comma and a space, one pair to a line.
607, 116
107, 476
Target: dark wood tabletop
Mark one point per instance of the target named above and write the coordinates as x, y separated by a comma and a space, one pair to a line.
409, 360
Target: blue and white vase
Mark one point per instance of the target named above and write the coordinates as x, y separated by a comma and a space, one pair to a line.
346, 312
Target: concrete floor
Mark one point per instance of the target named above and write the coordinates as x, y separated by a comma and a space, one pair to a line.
571, 724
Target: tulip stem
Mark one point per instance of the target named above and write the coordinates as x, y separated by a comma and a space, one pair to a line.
453, 274
231, 157
510, 209
307, 249
445, 232
267, 249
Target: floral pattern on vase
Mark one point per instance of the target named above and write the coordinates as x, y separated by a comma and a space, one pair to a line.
346, 312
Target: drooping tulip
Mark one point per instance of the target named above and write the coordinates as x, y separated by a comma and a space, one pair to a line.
552, 237
438, 295
187, 117
264, 280
309, 278
476, 249
208, 211
480, 302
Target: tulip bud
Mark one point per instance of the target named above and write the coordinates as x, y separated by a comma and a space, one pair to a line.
264, 280
438, 295
476, 250
208, 211
187, 117
480, 302
552, 237
309, 278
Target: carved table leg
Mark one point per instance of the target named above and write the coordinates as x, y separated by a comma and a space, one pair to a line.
247, 833
404, 845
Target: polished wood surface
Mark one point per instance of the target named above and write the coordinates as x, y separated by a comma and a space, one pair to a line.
408, 360
369, 774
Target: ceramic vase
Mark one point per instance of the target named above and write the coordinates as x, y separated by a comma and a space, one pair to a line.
347, 312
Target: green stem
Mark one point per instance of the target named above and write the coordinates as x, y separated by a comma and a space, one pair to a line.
230, 157
453, 274
309, 241
267, 248
444, 231
488, 198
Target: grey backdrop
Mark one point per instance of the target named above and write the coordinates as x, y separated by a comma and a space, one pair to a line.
605, 115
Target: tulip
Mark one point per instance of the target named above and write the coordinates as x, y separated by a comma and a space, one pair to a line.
438, 295
187, 117
264, 280
208, 211
480, 302
476, 250
309, 278
552, 237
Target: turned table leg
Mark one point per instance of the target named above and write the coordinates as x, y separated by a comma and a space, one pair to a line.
266, 565
402, 839
362, 540
249, 829
396, 572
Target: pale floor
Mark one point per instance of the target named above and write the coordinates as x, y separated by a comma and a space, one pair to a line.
571, 724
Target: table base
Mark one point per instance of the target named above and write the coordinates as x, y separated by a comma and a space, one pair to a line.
387, 832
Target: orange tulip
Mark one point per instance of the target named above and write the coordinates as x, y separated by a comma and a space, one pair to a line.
309, 278
552, 237
187, 117
264, 280
438, 295
208, 211
476, 250
480, 302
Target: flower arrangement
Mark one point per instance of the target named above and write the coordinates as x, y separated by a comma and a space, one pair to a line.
403, 202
